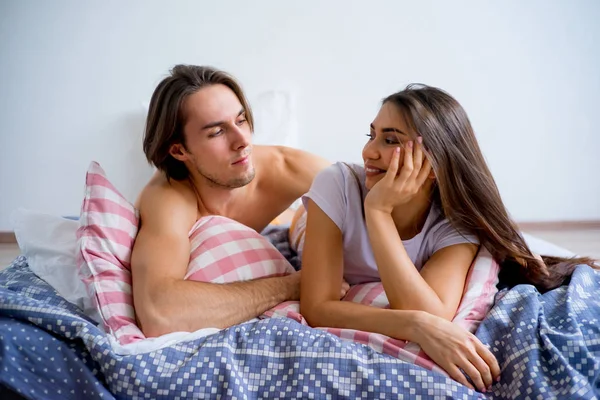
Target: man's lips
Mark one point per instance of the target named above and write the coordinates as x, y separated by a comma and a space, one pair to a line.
241, 160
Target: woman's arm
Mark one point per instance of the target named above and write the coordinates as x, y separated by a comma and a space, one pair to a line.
439, 286
447, 344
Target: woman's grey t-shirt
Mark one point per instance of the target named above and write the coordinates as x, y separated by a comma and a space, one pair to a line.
335, 190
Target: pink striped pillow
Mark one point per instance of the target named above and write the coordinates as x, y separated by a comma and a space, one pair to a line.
480, 291
477, 300
223, 251
108, 227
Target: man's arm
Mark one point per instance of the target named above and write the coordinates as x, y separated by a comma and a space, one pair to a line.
163, 300
300, 169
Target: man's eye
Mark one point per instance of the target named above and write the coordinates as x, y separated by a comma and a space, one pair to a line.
241, 122
217, 133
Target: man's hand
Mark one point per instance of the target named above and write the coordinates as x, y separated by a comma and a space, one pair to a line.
293, 282
293, 286
345, 288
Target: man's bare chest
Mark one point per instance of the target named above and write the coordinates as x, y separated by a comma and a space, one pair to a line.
257, 210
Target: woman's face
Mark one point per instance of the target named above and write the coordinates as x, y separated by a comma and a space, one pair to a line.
388, 131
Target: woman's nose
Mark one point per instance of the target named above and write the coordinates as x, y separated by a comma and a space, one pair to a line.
371, 150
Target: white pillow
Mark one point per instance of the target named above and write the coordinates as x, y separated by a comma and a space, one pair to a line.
540, 246
49, 243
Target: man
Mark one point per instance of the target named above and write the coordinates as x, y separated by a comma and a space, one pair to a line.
198, 135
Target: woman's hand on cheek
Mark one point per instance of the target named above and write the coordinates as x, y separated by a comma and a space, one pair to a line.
395, 188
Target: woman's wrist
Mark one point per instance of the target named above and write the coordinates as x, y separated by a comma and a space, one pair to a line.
421, 325
375, 211
412, 322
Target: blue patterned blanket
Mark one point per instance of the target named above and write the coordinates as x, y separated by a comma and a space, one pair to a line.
548, 346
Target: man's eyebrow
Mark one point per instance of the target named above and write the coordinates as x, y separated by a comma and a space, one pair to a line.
386, 130
217, 123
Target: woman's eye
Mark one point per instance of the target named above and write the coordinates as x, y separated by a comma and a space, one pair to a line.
371, 136
391, 140
240, 122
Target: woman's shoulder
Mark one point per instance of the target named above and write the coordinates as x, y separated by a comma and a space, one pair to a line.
441, 229
338, 184
437, 222
334, 191
341, 172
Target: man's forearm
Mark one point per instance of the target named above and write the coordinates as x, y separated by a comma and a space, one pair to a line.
188, 305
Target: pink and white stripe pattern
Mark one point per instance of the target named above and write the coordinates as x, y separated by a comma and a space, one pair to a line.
477, 300
224, 251
480, 291
108, 227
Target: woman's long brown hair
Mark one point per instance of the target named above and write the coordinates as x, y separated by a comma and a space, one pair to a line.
466, 192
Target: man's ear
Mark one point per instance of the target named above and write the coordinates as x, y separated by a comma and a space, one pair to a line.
178, 152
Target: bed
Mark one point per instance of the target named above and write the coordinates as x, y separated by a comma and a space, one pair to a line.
548, 346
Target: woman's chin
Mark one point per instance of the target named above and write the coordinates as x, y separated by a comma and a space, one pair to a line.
370, 181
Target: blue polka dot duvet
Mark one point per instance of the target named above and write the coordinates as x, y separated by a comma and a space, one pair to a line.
548, 346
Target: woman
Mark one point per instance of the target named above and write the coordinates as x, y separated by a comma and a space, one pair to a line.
413, 218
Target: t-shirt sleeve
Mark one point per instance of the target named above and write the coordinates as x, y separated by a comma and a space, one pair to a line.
446, 235
328, 192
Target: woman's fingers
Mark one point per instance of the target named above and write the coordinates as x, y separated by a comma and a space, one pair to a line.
473, 373
424, 172
458, 376
483, 369
408, 167
490, 360
417, 156
393, 167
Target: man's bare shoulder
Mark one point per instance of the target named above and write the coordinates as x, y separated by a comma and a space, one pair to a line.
164, 199
289, 161
286, 170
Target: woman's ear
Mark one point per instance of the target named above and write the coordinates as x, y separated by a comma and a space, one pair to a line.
178, 152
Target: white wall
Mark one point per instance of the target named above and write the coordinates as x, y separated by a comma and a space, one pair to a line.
74, 76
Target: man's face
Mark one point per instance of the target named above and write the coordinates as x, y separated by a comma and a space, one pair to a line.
217, 138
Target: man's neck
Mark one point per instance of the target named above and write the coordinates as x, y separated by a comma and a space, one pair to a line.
410, 217
214, 199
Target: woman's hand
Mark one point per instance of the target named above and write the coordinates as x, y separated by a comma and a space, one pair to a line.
454, 349
395, 189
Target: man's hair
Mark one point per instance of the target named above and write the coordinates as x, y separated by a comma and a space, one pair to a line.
166, 119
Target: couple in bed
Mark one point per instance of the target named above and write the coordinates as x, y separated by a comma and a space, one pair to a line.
412, 217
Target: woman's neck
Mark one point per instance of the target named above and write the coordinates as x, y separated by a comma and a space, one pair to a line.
410, 217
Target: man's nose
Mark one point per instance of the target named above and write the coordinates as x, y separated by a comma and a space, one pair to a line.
241, 138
